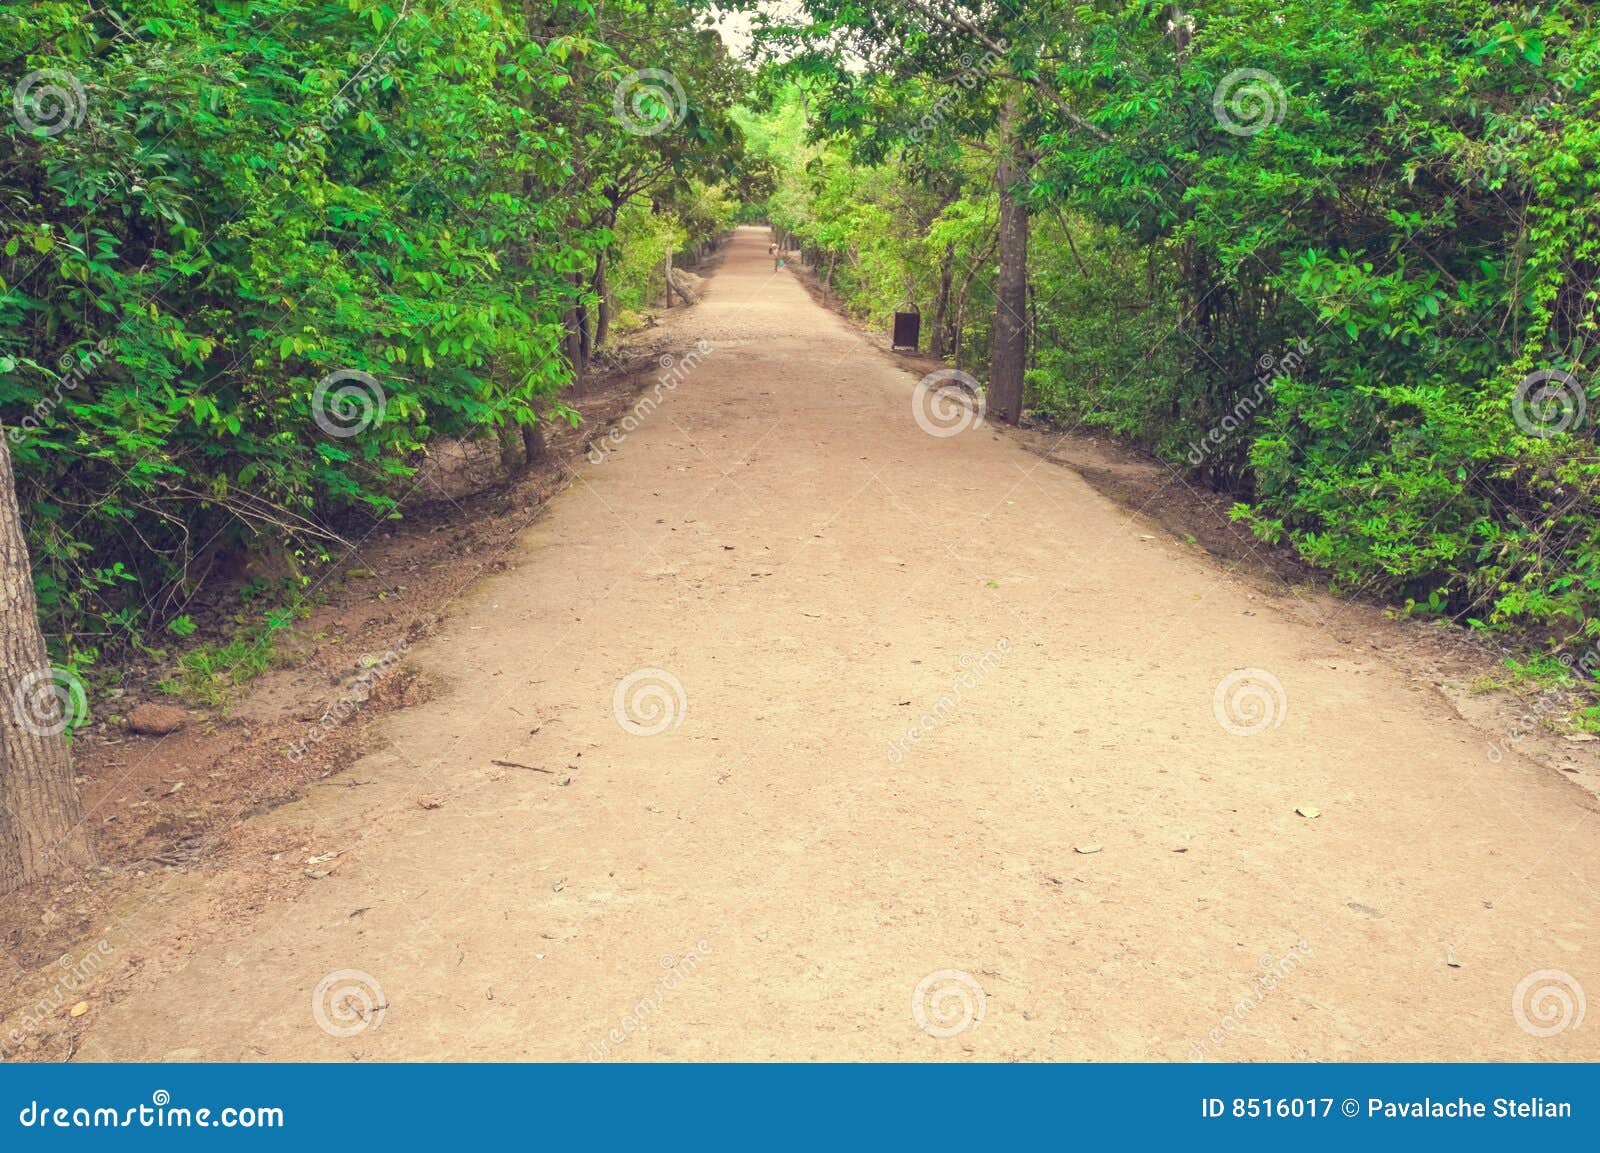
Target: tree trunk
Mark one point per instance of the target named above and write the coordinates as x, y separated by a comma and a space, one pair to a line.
937, 342
581, 320
41, 819
1033, 328
533, 445
602, 283
1008, 355
512, 456
959, 332
574, 342
602, 308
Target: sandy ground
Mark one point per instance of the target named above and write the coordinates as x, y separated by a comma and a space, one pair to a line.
805, 576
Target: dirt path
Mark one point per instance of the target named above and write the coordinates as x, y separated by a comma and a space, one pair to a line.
765, 878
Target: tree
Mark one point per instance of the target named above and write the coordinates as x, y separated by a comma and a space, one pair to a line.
941, 79
284, 246
41, 819
1009, 358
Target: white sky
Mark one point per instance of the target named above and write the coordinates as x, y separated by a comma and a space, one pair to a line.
735, 26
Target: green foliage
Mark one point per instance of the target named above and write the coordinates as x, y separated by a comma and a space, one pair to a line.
209, 673
240, 200
1308, 251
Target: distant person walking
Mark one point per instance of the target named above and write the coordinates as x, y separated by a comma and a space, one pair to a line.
777, 256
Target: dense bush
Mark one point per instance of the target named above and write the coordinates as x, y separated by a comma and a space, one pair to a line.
1310, 251
256, 256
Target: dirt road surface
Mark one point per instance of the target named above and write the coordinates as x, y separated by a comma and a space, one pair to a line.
956, 761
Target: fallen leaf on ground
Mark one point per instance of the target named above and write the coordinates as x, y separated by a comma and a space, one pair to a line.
80, 1008
1310, 812
1085, 849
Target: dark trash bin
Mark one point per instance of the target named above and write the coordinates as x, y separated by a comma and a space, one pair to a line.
907, 330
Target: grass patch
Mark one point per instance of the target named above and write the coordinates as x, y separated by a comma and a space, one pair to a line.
208, 675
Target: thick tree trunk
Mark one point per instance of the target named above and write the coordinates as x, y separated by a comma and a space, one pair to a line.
41, 820
1009, 353
938, 342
